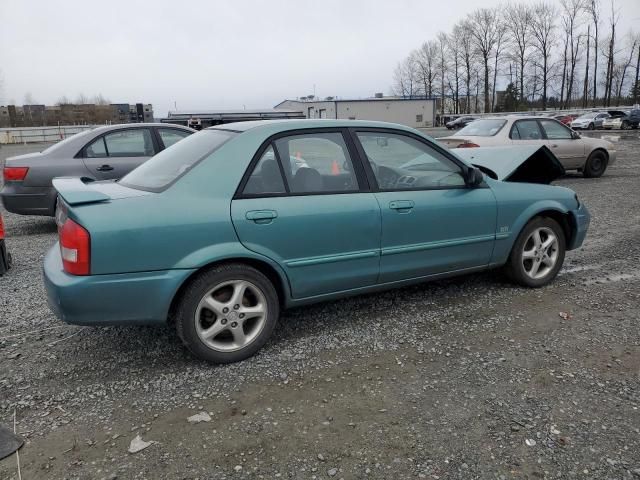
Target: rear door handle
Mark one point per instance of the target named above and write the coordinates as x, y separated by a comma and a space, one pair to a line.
555, 145
105, 168
402, 206
261, 216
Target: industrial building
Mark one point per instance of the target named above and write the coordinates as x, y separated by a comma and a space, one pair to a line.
411, 112
13, 116
206, 118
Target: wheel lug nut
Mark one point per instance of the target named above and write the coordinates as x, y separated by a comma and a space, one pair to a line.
223, 321
234, 325
236, 306
242, 315
225, 310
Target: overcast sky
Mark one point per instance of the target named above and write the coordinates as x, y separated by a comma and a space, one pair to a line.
218, 54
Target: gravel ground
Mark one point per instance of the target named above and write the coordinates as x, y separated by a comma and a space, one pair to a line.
465, 378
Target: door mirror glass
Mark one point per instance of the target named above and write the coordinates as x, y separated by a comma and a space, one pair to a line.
474, 177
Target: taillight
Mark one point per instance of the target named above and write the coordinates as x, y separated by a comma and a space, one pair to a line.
468, 145
1, 228
15, 174
75, 244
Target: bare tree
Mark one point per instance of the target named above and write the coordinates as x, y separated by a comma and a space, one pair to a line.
455, 48
442, 66
593, 7
636, 85
28, 99
633, 41
501, 35
81, 99
404, 78
100, 100
571, 10
543, 29
518, 24
610, 55
462, 30
585, 89
426, 57
63, 101
483, 26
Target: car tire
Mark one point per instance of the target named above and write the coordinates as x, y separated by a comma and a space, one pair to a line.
596, 164
529, 251
591, 126
227, 313
625, 126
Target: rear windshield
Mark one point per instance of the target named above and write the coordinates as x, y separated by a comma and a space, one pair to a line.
69, 139
166, 167
483, 128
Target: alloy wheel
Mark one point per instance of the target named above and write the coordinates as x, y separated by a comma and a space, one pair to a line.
231, 315
540, 253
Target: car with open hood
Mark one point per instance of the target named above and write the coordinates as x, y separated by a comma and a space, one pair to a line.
222, 231
591, 156
102, 153
623, 120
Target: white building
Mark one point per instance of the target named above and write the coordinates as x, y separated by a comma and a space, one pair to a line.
410, 112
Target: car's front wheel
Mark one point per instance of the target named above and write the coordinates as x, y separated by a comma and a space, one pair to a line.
625, 126
591, 126
227, 313
596, 165
538, 253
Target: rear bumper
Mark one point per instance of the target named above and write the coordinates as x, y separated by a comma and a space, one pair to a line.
23, 200
581, 219
141, 298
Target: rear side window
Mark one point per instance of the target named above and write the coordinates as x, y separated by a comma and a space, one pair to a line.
526, 130
266, 178
129, 143
166, 167
96, 149
169, 136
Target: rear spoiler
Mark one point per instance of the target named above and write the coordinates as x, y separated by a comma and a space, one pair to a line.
525, 163
78, 191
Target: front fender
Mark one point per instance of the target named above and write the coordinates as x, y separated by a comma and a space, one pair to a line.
510, 224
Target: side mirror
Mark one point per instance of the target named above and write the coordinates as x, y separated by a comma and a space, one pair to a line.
575, 135
474, 177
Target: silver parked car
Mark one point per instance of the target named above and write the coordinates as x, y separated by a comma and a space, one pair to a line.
103, 153
590, 121
588, 155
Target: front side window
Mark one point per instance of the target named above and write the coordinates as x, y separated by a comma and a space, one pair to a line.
316, 163
129, 143
167, 166
555, 130
400, 162
170, 136
526, 130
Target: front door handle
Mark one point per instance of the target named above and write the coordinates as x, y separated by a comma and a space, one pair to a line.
555, 145
104, 168
261, 216
402, 206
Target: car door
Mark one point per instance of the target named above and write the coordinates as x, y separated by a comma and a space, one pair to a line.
304, 203
114, 154
568, 149
526, 132
431, 221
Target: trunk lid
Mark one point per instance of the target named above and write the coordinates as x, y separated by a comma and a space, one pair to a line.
82, 190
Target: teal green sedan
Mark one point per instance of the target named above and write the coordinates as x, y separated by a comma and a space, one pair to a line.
222, 231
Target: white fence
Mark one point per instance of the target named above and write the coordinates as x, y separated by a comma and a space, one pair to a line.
40, 134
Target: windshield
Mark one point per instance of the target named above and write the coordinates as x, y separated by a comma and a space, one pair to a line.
587, 116
166, 167
483, 128
62, 143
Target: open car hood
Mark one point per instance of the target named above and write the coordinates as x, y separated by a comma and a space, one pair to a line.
525, 163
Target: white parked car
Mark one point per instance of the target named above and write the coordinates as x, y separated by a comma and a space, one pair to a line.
588, 155
590, 121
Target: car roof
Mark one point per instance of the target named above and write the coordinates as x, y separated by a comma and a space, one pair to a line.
287, 124
118, 126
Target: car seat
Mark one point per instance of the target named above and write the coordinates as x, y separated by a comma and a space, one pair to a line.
307, 180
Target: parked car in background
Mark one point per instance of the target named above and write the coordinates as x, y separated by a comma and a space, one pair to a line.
5, 258
219, 234
103, 153
566, 119
459, 122
588, 155
589, 121
622, 120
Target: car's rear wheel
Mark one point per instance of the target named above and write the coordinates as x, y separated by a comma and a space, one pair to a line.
596, 165
227, 313
625, 126
591, 126
538, 253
